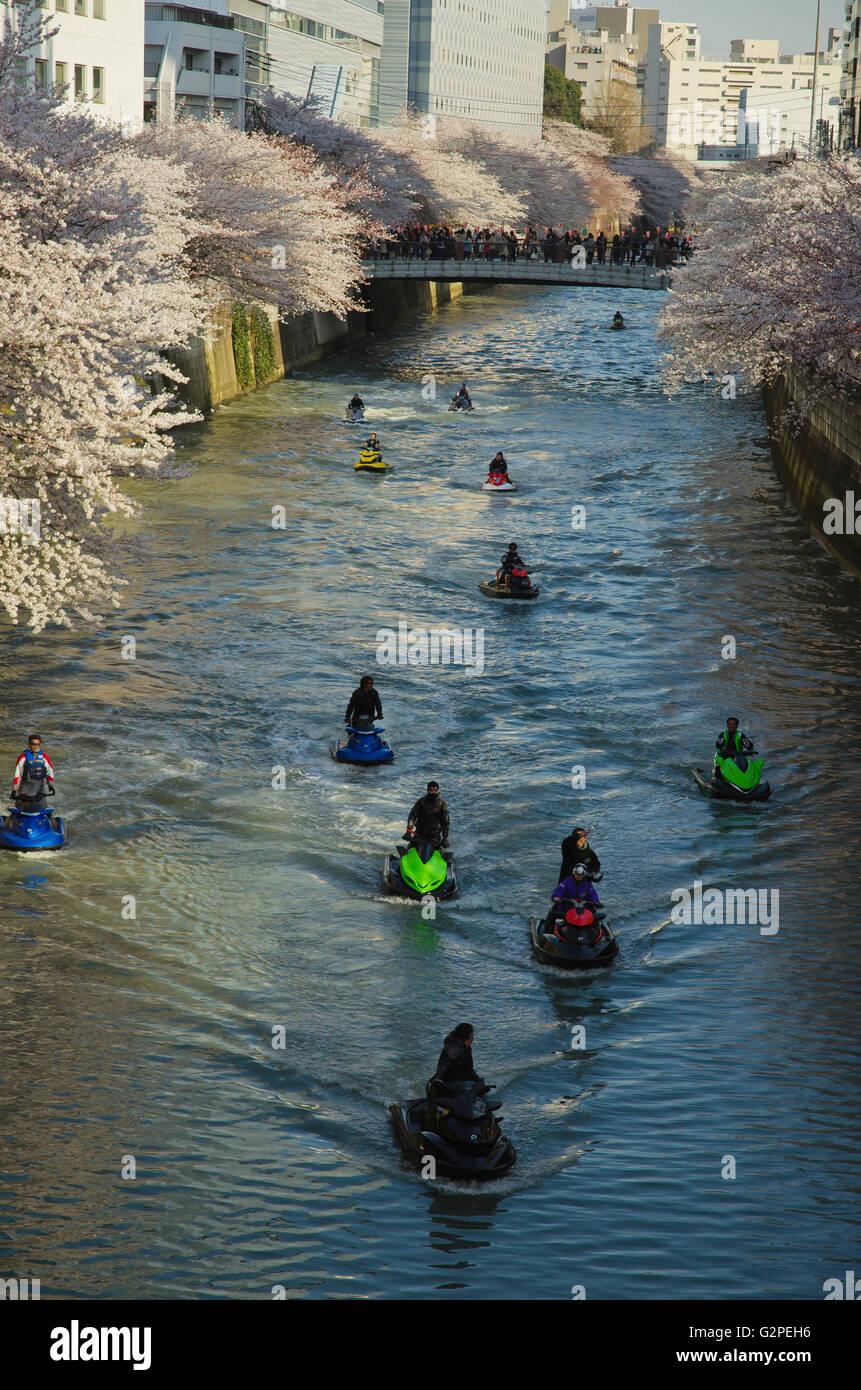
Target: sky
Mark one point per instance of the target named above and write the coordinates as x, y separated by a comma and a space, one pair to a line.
793, 22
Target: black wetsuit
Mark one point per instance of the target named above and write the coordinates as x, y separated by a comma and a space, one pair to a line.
364, 704
571, 855
356, 403
430, 818
455, 1062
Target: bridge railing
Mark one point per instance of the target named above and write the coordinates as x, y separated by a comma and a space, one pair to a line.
536, 253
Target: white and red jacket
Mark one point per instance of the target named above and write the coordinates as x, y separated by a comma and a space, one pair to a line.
28, 757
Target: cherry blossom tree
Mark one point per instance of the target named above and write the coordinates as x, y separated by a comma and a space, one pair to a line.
563, 180
271, 223
776, 279
665, 182
92, 284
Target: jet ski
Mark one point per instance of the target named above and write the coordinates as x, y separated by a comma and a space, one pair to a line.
28, 824
458, 403
457, 1128
498, 482
364, 745
419, 869
370, 461
618, 323
575, 936
353, 413
735, 778
519, 585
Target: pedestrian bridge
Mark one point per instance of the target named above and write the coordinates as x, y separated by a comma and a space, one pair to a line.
523, 272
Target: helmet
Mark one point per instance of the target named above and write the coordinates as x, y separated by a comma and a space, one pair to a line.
579, 868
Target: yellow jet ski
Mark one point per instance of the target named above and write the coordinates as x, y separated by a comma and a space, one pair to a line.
370, 461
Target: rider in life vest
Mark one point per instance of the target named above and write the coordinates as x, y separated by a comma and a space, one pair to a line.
34, 769
497, 471
512, 565
732, 740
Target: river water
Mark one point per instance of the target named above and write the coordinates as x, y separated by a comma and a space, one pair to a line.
257, 906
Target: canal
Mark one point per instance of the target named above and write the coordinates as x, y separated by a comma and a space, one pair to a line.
197, 907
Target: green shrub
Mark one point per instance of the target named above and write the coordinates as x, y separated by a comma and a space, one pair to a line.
242, 348
262, 346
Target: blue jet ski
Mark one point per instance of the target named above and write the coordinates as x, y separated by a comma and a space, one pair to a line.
29, 825
364, 744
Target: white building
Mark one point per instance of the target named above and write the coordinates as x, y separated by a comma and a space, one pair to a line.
329, 49
96, 56
194, 60
591, 58
481, 60
850, 81
691, 104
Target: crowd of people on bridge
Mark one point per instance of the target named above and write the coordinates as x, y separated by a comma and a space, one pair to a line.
659, 247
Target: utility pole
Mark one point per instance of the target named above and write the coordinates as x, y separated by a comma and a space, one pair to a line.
813, 93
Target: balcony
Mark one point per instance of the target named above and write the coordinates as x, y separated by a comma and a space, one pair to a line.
228, 84
192, 83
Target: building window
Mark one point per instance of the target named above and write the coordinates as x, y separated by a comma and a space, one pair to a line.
81, 7
42, 73
98, 84
62, 6
60, 75
98, 9
80, 82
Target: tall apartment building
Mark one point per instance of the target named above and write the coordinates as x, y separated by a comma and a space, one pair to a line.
212, 56
850, 78
691, 104
329, 49
194, 59
601, 44
482, 61
96, 56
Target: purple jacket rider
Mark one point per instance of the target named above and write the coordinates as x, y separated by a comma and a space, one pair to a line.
569, 890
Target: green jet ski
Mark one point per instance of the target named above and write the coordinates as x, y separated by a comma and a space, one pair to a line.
419, 869
737, 777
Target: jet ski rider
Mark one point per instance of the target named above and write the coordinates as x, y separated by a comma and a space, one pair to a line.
372, 442
576, 888
429, 817
462, 394
732, 740
33, 766
511, 560
618, 320
355, 402
498, 468
577, 850
455, 1061
365, 704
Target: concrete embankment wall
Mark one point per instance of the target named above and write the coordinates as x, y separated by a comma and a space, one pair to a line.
821, 461
251, 348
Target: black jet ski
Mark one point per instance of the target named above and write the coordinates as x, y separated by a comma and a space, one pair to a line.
418, 869
734, 778
517, 585
460, 403
574, 936
457, 1128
